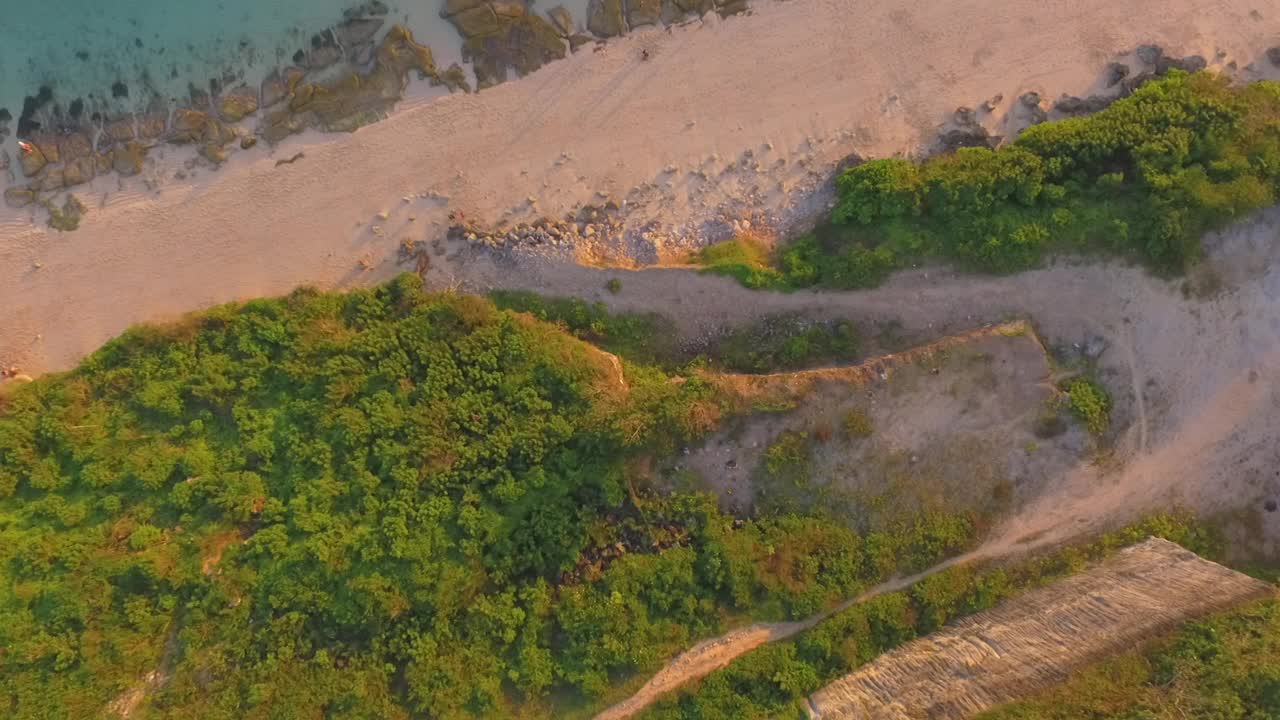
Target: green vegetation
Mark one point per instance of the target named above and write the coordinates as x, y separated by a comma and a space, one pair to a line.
614, 286
1090, 403
378, 505
857, 424
744, 259
789, 459
1226, 667
648, 339
786, 342
1144, 178
773, 680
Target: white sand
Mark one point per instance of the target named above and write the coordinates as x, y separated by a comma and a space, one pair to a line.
816, 79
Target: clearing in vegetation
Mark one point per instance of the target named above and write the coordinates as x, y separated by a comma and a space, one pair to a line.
1040, 638
1145, 178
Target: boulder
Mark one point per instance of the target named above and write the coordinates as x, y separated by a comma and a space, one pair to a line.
725, 8
455, 78
120, 129
477, 21
697, 7
1136, 81
1115, 73
238, 103
1273, 55
128, 160
51, 180
18, 198
400, 53
214, 153
248, 142
562, 20
79, 171
103, 162
188, 125
31, 159
643, 12
152, 124
1071, 105
604, 18
577, 40
1149, 54
527, 43
74, 146
1190, 63
273, 89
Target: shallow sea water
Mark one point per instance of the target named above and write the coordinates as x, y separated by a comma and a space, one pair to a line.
157, 47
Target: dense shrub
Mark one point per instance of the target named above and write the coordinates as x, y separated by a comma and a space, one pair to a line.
1144, 178
381, 504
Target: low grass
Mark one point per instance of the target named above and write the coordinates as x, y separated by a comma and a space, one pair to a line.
744, 258
1227, 666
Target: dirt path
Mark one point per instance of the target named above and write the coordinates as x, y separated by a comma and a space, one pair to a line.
708, 656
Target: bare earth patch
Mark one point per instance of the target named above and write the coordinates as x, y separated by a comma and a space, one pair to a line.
1033, 641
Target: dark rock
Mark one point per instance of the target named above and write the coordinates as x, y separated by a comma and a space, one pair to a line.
200, 97
1136, 81
965, 116
214, 153
5, 115
604, 18
372, 7
189, 125
1115, 73
577, 40
965, 136
1071, 105
643, 12
473, 18
1030, 100
1190, 64
248, 142
1149, 54
1270, 506
1273, 54
119, 90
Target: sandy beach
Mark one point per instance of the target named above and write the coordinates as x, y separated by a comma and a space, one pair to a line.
660, 119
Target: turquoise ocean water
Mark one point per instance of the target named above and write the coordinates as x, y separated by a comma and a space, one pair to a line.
158, 47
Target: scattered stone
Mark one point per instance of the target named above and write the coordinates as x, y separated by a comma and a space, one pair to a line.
1115, 73
248, 142
18, 198
1031, 103
990, 104
1094, 347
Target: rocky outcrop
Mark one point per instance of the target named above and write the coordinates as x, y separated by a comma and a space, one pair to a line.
503, 35
643, 12
562, 20
605, 18
127, 160
237, 104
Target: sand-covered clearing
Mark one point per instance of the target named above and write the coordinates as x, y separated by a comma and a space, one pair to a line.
813, 80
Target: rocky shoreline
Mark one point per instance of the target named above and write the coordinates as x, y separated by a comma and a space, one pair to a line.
344, 80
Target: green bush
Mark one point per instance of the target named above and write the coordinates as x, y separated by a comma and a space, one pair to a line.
1144, 178
1091, 403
